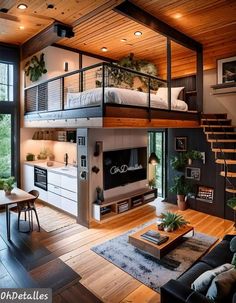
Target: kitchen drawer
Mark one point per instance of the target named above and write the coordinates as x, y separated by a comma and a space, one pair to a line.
69, 183
69, 194
54, 179
54, 189
69, 206
54, 199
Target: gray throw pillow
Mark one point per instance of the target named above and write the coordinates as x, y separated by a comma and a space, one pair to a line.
222, 285
202, 283
233, 245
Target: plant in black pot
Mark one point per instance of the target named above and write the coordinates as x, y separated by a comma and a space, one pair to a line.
182, 188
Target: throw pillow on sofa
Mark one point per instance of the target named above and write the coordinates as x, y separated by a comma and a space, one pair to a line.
202, 283
222, 285
233, 245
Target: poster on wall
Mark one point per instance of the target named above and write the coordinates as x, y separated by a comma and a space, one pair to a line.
226, 70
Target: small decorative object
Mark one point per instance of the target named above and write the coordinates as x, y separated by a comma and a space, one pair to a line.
100, 196
232, 203
43, 154
98, 148
172, 221
180, 143
95, 169
35, 67
8, 185
226, 70
160, 226
152, 183
193, 173
30, 157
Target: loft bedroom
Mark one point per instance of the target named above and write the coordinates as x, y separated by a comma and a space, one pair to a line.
157, 85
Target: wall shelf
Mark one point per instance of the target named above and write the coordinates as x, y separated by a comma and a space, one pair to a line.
224, 88
133, 199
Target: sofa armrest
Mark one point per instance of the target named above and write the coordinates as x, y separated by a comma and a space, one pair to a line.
228, 237
175, 291
234, 298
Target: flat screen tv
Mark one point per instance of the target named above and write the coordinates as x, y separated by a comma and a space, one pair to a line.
124, 166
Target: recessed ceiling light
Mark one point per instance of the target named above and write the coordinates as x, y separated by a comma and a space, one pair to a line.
123, 40
50, 6
104, 49
177, 15
138, 34
22, 6
4, 10
21, 27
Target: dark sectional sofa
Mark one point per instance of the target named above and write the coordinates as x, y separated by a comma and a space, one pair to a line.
179, 291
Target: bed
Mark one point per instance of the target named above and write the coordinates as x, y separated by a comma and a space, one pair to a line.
122, 96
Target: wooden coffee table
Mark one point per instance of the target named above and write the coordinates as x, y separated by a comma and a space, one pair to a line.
155, 250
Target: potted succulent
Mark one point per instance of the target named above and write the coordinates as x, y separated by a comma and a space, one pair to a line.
8, 185
172, 221
182, 188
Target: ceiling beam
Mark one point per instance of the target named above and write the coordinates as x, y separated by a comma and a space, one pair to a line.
135, 13
45, 38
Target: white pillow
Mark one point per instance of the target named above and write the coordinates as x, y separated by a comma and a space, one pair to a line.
162, 92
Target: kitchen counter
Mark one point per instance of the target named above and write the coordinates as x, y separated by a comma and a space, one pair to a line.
57, 167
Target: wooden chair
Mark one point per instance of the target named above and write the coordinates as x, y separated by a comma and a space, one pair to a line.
29, 207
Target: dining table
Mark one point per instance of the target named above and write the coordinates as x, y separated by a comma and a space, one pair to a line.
16, 196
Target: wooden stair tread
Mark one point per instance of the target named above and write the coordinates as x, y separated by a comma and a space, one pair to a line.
215, 119
222, 140
230, 190
228, 161
229, 174
225, 150
218, 126
219, 133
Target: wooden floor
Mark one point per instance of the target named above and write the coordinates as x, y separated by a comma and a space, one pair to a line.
72, 244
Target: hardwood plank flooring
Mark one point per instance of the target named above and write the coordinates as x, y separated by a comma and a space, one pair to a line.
71, 246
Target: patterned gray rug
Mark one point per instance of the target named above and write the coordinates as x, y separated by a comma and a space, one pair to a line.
147, 269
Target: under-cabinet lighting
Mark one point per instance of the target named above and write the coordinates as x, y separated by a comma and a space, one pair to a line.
22, 6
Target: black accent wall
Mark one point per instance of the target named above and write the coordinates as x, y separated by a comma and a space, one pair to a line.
196, 140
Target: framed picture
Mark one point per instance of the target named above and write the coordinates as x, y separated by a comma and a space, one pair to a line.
193, 173
180, 143
226, 70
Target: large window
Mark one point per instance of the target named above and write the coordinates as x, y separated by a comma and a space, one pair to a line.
6, 82
5, 146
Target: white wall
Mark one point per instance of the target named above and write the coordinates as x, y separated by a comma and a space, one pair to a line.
113, 139
217, 103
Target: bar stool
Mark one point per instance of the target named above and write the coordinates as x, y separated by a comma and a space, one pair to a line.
29, 207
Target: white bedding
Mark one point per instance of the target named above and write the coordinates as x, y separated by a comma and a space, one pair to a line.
120, 96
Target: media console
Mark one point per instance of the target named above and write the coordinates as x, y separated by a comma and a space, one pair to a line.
120, 204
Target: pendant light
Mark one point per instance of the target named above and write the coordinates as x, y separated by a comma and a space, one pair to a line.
153, 159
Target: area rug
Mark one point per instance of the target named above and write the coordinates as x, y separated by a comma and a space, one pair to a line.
51, 219
148, 270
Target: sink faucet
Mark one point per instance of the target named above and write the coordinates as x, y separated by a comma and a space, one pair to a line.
66, 159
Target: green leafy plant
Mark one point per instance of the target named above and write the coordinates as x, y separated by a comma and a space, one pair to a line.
35, 67
7, 184
172, 221
179, 162
232, 203
193, 155
182, 186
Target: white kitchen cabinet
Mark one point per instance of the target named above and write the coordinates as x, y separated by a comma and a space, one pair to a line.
28, 177
69, 183
54, 199
69, 206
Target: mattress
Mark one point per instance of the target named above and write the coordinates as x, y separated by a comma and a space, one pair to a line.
122, 96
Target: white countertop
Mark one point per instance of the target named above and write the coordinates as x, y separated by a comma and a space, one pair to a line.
57, 167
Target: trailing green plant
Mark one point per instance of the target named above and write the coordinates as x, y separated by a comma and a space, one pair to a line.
232, 203
35, 67
182, 186
173, 221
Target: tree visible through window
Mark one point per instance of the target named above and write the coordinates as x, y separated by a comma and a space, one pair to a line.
6, 82
5, 146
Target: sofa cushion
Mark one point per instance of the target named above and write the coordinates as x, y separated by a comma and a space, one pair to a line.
202, 283
193, 273
232, 245
222, 285
219, 255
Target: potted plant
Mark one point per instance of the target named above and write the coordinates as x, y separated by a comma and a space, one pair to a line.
193, 155
182, 188
179, 162
8, 185
232, 203
172, 221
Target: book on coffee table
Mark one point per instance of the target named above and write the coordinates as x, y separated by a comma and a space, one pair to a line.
154, 237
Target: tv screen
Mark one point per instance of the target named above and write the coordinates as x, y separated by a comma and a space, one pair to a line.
121, 167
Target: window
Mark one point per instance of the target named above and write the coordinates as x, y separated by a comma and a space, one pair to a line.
6, 82
5, 146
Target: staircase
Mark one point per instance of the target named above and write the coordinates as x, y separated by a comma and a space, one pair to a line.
221, 134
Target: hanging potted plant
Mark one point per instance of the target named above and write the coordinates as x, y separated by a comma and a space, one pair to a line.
182, 188
35, 68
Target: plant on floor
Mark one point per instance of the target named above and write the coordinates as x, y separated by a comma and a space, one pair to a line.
232, 203
8, 184
172, 221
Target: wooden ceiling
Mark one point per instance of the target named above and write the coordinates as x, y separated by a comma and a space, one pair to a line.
210, 22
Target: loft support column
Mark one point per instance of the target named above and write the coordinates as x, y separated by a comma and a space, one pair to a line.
168, 47
199, 80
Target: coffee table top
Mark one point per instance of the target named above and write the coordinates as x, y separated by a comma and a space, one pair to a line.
154, 249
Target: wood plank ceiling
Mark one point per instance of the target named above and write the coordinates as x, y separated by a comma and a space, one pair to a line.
211, 22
